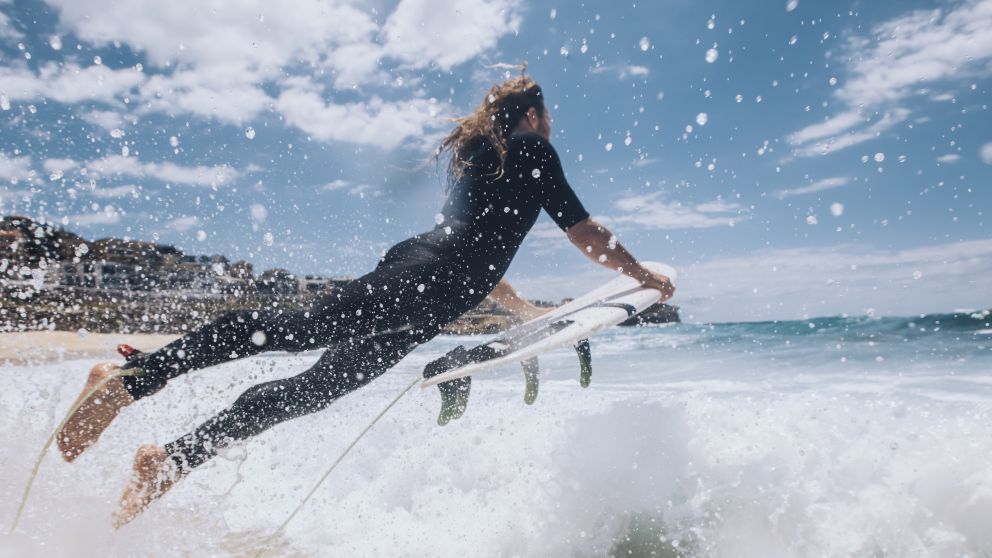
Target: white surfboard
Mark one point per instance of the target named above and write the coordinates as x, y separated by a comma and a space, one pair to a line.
606, 306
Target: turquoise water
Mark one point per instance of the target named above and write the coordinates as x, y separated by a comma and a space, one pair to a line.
823, 437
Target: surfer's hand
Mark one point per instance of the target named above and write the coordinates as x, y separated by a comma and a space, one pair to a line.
657, 281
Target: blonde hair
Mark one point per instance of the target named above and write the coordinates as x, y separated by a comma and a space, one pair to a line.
494, 120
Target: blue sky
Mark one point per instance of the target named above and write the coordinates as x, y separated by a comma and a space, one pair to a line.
789, 158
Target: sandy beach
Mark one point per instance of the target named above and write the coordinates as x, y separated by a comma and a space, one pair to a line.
37, 347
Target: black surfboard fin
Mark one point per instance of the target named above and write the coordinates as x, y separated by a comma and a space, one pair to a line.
531, 375
584, 351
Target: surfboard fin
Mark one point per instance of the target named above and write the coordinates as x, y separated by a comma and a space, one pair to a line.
454, 399
585, 362
454, 393
531, 371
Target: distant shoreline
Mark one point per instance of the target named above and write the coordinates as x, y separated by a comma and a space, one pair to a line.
45, 347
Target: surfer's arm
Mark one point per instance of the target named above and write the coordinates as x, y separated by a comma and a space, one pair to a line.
506, 296
601, 246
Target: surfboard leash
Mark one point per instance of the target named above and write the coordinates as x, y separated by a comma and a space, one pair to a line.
327, 473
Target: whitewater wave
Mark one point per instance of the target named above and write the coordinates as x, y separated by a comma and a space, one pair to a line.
705, 447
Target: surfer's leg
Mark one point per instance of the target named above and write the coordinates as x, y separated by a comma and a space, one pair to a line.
341, 370
234, 335
110, 387
351, 311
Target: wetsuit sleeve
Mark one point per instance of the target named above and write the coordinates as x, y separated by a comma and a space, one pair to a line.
542, 167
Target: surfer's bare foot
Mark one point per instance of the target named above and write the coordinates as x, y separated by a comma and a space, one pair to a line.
96, 407
154, 474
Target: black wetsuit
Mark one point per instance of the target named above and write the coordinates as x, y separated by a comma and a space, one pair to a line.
421, 285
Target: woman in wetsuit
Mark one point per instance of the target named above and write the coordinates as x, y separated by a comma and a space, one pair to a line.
503, 172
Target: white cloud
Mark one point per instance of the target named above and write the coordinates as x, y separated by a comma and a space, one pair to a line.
116, 165
184, 223
986, 153
7, 30
922, 47
353, 188
14, 169
106, 119
69, 83
233, 101
818, 186
110, 215
623, 71
219, 64
653, 211
127, 190
336, 184
376, 122
425, 32
838, 142
949, 158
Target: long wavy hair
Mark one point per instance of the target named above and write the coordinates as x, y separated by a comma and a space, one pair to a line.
494, 120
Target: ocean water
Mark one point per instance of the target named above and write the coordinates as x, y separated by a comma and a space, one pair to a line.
826, 437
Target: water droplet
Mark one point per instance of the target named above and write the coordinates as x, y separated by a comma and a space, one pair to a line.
4, 102
644, 43
56, 175
536, 173
32, 109
791, 5
564, 51
627, 140
97, 60
438, 218
125, 151
56, 42
879, 157
811, 219
117, 133
836, 209
739, 98
710, 24
584, 48
711, 55
258, 338
554, 13
917, 274
250, 133
793, 40
832, 81
174, 141
420, 288
609, 146
201, 235
268, 239
702, 118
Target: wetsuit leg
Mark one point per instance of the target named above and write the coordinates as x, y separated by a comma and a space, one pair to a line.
232, 336
341, 370
364, 306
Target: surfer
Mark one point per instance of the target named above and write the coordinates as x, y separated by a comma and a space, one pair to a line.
502, 172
